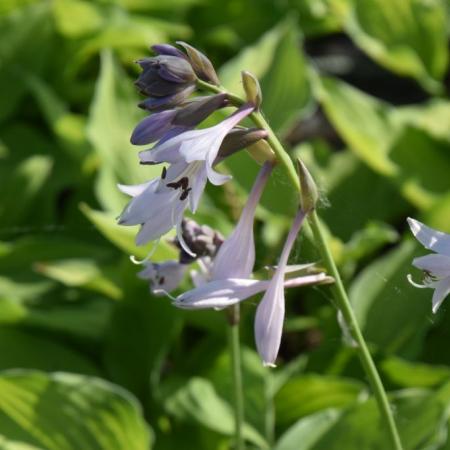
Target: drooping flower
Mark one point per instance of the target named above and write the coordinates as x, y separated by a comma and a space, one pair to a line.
197, 145
269, 317
236, 256
436, 266
163, 277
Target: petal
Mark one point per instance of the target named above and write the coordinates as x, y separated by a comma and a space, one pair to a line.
220, 293
441, 290
438, 265
152, 128
198, 187
269, 321
431, 239
134, 190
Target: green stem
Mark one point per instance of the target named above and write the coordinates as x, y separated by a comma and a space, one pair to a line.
237, 377
339, 291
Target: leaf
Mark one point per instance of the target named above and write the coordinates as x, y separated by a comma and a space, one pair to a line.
113, 115
406, 36
28, 350
414, 374
369, 133
382, 294
25, 42
123, 237
277, 61
306, 394
306, 432
95, 414
81, 273
197, 401
22, 187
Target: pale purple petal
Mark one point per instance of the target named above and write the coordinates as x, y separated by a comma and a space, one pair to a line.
441, 290
134, 190
269, 321
164, 277
220, 293
431, 239
198, 186
435, 264
236, 256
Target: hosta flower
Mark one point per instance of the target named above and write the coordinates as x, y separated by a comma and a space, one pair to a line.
435, 266
163, 277
197, 146
158, 124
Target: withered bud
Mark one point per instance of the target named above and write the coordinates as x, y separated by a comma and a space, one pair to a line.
201, 64
201, 239
309, 194
239, 138
252, 88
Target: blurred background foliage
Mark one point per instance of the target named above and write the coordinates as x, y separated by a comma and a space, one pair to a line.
89, 360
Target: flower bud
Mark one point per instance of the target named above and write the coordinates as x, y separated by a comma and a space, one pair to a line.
309, 194
201, 64
261, 151
239, 138
252, 88
198, 109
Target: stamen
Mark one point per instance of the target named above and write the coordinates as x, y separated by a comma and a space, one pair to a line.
420, 286
136, 261
163, 291
164, 173
185, 193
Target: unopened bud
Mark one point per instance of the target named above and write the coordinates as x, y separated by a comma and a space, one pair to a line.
252, 88
309, 194
261, 151
239, 138
201, 64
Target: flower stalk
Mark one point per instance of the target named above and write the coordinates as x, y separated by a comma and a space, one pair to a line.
338, 290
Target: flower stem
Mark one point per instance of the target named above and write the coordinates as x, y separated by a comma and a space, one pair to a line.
237, 377
339, 291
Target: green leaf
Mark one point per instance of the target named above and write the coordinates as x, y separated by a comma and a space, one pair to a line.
406, 36
307, 394
81, 273
381, 294
277, 61
308, 431
113, 115
28, 350
414, 374
25, 44
19, 191
123, 237
198, 402
95, 415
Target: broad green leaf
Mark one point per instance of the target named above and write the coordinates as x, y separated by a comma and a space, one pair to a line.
197, 401
414, 374
113, 115
407, 36
306, 432
81, 273
19, 191
6, 444
123, 237
277, 61
307, 394
75, 18
25, 44
381, 294
420, 415
67, 412
28, 350
370, 132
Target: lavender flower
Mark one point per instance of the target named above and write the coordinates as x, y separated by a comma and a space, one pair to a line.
164, 277
436, 267
270, 313
197, 145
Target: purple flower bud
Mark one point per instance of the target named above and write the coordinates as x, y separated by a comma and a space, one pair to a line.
168, 101
153, 128
201, 64
166, 49
239, 138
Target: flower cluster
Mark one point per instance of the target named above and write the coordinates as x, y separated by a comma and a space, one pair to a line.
189, 155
